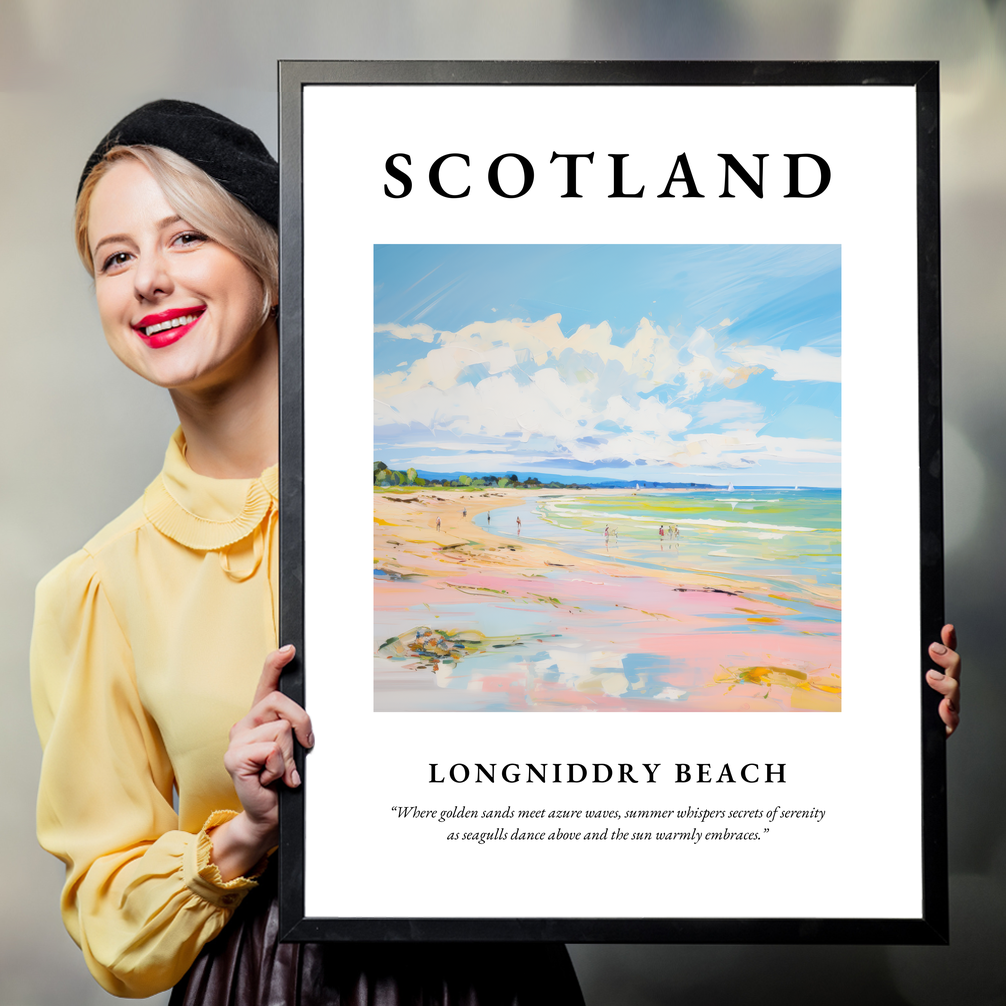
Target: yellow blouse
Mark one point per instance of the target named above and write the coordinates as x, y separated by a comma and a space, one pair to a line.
147, 647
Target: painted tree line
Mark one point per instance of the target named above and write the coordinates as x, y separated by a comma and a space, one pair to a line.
385, 478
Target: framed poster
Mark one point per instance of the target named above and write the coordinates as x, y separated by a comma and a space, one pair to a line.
625, 640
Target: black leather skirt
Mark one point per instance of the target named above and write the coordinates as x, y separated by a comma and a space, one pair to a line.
246, 965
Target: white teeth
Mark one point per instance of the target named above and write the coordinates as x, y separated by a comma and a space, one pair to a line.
173, 323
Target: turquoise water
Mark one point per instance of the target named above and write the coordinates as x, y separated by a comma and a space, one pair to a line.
789, 536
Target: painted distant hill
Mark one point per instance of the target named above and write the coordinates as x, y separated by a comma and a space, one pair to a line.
547, 479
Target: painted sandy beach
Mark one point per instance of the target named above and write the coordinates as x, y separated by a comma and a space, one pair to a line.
474, 616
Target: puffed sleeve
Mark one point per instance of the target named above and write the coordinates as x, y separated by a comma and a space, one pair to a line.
141, 898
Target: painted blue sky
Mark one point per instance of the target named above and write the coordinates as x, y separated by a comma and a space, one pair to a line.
657, 362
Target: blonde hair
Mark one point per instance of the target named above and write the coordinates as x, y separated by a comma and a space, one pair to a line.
199, 200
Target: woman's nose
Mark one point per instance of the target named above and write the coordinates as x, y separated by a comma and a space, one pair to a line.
152, 277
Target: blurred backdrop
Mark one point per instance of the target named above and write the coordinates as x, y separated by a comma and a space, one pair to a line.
82, 437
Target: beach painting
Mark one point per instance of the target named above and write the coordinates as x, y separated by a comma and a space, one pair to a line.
607, 478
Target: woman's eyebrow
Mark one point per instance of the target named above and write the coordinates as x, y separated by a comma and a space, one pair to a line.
109, 240
160, 225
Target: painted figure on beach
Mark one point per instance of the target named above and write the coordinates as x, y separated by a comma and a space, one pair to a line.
705, 366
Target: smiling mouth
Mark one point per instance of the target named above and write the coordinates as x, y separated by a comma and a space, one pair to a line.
176, 321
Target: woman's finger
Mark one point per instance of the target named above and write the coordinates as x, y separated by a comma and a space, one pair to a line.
276, 706
949, 636
278, 732
949, 660
950, 716
260, 760
944, 684
273, 766
949, 688
271, 671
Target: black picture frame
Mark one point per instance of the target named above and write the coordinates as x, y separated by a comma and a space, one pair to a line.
932, 926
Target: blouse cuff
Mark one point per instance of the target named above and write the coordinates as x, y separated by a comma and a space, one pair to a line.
202, 876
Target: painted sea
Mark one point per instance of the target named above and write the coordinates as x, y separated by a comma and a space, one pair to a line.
787, 537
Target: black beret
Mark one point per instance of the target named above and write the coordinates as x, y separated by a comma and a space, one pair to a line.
230, 154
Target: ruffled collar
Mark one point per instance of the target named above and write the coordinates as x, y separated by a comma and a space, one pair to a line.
203, 513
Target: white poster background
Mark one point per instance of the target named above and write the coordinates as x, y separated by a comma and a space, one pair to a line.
862, 765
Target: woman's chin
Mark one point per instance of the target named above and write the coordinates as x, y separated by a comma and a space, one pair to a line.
175, 373
196, 365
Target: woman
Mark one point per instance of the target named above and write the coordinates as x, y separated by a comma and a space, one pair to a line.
149, 643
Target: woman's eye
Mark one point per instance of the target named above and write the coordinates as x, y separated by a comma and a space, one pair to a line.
114, 261
190, 238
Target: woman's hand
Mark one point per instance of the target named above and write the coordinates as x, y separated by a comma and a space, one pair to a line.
260, 753
947, 682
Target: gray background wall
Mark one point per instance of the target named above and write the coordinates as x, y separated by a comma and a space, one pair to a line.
82, 436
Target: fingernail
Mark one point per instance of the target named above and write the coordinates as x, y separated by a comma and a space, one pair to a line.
287, 649
310, 740
936, 675
295, 777
938, 648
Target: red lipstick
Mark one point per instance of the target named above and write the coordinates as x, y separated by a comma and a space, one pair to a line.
166, 327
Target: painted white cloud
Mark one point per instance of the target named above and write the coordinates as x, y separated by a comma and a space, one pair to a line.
744, 449
526, 389
730, 410
651, 416
421, 332
803, 364
651, 358
561, 413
